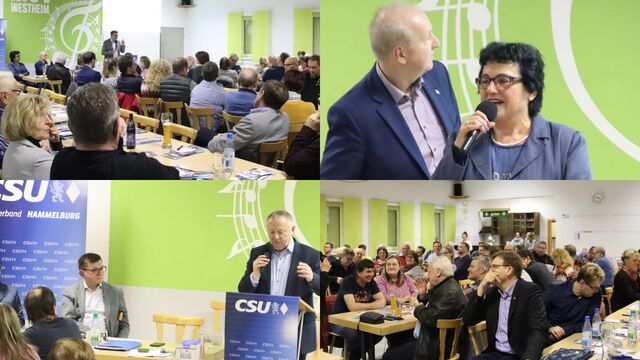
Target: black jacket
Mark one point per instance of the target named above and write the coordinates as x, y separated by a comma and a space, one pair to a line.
129, 84
527, 318
195, 74
58, 71
303, 159
540, 274
625, 291
444, 301
311, 90
176, 88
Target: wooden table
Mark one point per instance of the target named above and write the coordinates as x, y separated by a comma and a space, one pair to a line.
218, 353
36, 79
570, 342
352, 321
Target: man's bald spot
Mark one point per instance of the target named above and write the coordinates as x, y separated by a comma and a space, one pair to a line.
394, 25
7, 82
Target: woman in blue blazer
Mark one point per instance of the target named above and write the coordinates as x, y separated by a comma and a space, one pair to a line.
520, 144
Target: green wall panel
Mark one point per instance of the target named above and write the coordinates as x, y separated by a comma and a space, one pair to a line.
323, 220
407, 224
449, 224
235, 30
427, 229
261, 42
377, 222
303, 30
352, 219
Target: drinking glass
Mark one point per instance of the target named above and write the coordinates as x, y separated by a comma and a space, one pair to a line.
166, 119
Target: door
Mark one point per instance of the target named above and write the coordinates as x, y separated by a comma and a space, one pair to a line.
171, 43
551, 235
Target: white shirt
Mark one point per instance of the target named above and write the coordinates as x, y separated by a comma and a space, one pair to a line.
280, 264
94, 304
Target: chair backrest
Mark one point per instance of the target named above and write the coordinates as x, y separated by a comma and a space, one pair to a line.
186, 133
150, 124
149, 106
180, 322
270, 151
125, 113
230, 120
56, 85
230, 89
174, 107
22, 87
478, 337
196, 114
33, 90
443, 325
55, 97
608, 292
465, 283
298, 110
218, 310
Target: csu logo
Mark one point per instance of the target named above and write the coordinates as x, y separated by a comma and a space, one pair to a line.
16, 190
261, 307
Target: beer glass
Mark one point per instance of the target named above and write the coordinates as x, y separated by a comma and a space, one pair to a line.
166, 118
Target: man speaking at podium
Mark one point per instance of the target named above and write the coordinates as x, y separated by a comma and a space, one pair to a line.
285, 267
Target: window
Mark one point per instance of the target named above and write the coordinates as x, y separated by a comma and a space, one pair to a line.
438, 221
247, 26
393, 217
334, 223
316, 33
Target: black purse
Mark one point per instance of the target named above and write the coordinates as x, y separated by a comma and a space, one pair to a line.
372, 317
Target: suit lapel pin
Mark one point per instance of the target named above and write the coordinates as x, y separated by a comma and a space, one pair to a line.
437, 91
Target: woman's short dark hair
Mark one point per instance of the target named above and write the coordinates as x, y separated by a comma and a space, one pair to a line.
13, 54
225, 63
294, 80
124, 62
146, 63
529, 61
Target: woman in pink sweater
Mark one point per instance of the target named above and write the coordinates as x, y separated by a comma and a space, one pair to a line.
393, 282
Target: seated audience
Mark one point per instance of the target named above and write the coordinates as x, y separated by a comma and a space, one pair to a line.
58, 71
178, 87
597, 255
513, 309
110, 72
129, 82
414, 270
18, 69
340, 268
358, 255
228, 78
462, 262
240, 103
86, 74
563, 269
233, 59
510, 248
145, 63
540, 255
42, 64
47, 328
448, 252
436, 250
294, 80
13, 344
571, 250
327, 249
529, 241
569, 302
276, 72
33, 138
291, 63
10, 296
381, 256
538, 272
420, 250
304, 64
208, 94
265, 123
479, 267
404, 252
357, 293
94, 120
394, 282
72, 349
626, 285
195, 73
263, 64
311, 88
8, 92
158, 71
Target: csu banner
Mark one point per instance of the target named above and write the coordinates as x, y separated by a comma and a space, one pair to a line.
42, 233
258, 326
56, 26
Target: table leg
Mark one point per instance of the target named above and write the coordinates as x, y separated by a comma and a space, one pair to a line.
372, 348
362, 345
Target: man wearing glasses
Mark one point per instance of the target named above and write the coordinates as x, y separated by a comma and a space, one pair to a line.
8, 91
569, 302
514, 311
95, 296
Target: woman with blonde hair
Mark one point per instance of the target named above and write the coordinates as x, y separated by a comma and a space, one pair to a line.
71, 349
626, 284
13, 345
263, 65
110, 72
33, 138
563, 270
158, 70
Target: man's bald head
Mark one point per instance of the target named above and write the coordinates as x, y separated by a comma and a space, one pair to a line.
248, 78
392, 26
8, 87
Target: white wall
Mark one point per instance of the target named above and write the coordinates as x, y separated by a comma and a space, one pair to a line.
138, 23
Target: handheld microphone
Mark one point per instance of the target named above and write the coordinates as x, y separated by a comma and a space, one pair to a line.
490, 110
267, 253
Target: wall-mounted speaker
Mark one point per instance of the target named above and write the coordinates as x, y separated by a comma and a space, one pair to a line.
186, 2
457, 189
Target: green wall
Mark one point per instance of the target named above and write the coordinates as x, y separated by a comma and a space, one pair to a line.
302, 30
352, 221
427, 226
407, 224
235, 31
180, 234
449, 224
606, 29
323, 220
377, 222
261, 40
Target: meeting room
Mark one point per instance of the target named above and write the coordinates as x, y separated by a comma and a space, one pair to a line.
180, 89
416, 270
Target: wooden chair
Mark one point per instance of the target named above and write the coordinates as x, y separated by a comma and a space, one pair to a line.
230, 120
180, 322
55, 97
56, 86
149, 107
149, 124
443, 325
196, 114
22, 87
174, 107
270, 151
298, 110
226, 89
218, 313
33, 90
465, 283
608, 292
294, 130
186, 133
125, 113
478, 337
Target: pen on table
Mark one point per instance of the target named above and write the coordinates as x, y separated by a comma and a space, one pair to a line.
179, 147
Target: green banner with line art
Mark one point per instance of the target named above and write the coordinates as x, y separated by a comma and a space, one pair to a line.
55, 26
590, 50
198, 235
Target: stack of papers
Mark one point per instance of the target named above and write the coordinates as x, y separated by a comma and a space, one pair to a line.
188, 174
119, 345
254, 174
148, 140
151, 354
187, 150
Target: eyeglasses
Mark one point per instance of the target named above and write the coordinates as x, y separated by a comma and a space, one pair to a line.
501, 81
15, 91
594, 288
97, 271
496, 266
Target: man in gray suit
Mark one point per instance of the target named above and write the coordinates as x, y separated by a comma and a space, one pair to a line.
112, 47
95, 296
265, 123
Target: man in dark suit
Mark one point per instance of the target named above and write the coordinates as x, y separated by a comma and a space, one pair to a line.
112, 47
394, 123
86, 74
514, 311
294, 270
